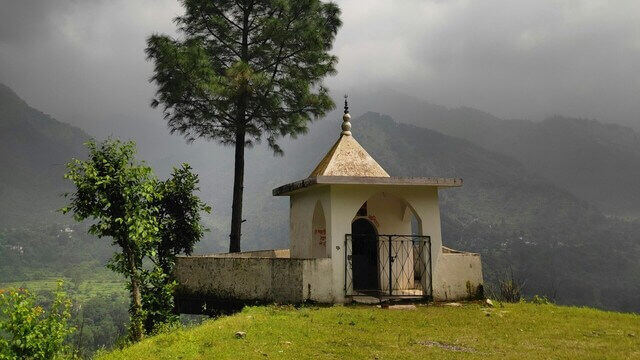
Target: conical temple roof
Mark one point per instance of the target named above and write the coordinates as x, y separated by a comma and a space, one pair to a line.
348, 158
347, 162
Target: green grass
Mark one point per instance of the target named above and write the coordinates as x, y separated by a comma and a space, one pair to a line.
515, 331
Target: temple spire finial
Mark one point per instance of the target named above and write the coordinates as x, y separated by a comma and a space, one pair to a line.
346, 104
346, 125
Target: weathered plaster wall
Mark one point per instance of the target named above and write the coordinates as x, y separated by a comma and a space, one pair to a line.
276, 253
316, 280
387, 213
302, 206
319, 232
459, 277
303, 274
254, 279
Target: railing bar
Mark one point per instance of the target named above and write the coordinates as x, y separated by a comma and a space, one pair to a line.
415, 260
390, 267
346, 265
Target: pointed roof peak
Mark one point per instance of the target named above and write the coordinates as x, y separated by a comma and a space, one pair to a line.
347, 157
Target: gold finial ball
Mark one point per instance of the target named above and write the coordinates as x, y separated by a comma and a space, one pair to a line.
346, 125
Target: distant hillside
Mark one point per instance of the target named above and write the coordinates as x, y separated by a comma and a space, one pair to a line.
33, 150
597, 162
515, 218
497, 188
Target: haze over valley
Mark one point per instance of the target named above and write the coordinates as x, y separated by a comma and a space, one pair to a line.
517, 213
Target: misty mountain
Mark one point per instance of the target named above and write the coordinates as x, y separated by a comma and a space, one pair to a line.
561, 245
516, 218
597, 162
33, 150
519, 220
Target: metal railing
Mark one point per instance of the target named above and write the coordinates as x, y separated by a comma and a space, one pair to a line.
388, 265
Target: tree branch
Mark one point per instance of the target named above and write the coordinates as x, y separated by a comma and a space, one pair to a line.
212, 33
221, 13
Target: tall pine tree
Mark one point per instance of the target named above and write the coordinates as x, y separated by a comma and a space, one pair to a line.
245, 70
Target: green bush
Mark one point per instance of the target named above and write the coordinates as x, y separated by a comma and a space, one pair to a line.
540, 300
27, 331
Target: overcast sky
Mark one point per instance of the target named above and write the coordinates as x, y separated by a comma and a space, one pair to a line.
82, 61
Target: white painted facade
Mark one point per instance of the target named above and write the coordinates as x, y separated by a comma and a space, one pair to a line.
390, 209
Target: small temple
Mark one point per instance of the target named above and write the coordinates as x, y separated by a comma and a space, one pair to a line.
355, 231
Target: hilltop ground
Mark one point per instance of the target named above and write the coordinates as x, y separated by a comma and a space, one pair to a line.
471, 331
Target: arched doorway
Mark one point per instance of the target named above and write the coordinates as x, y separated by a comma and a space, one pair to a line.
387, 252
365, 255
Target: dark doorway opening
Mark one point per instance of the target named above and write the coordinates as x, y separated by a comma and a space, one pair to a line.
364, 255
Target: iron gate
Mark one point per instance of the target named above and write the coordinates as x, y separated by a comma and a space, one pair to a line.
388, 265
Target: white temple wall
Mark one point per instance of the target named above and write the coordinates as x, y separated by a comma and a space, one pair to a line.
301, 231
459, 277
319, 232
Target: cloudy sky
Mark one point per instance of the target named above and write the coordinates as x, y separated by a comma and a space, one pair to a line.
82, 61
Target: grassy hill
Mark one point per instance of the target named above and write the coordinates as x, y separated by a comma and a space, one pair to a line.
366, 332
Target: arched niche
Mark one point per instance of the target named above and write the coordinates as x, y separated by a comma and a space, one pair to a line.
391, 214
319, 232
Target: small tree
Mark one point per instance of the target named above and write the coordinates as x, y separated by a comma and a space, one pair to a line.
150, 220
119, 195
178, 216
179, 229
244, 70
27, 331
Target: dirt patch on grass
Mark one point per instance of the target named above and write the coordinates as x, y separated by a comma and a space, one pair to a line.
445, 346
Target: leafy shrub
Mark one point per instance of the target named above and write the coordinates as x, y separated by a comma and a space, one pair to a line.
27, 331
540, 300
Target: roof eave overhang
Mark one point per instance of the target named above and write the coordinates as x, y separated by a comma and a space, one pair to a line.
287, 189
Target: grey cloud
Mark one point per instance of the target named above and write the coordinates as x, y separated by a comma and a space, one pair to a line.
25, 20
83, 61
535, 59
32, 20
516, 59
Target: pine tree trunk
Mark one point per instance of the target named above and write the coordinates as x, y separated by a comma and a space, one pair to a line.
136, 297
238, 176
238, 189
